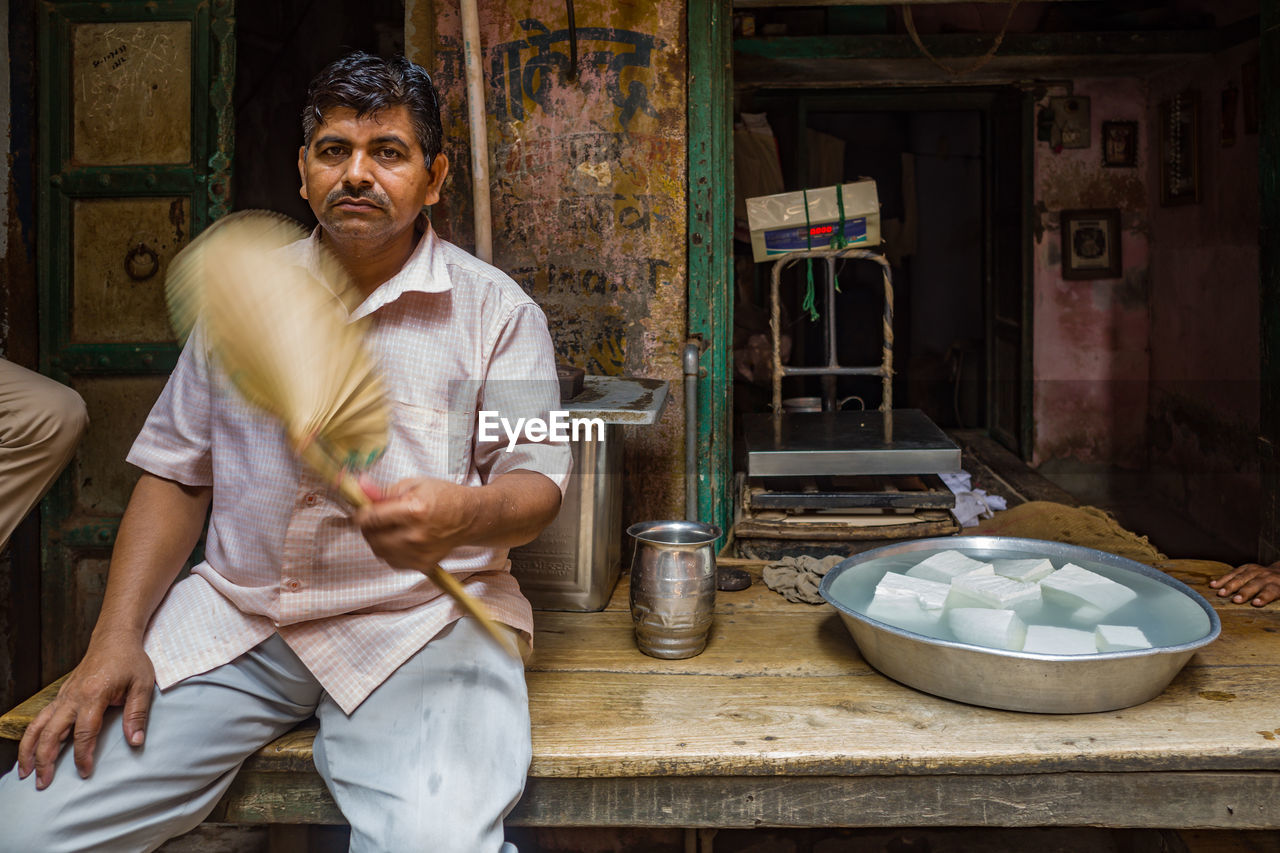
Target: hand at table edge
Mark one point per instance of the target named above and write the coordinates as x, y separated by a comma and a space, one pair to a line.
1253, 583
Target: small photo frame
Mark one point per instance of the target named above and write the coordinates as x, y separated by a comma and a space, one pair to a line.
1179, 122
1120, 144
1090, 243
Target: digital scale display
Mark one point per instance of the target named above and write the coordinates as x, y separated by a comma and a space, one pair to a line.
781, 240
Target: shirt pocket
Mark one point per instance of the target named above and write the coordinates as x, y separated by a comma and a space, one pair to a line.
430, 442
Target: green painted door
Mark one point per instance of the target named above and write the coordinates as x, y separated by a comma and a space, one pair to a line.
134, 158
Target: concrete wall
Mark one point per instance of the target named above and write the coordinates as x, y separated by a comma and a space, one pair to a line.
1204, 400
1091, 358
588, 189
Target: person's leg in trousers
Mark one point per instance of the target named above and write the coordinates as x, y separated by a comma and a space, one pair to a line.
437, 756
199, 733
41, 422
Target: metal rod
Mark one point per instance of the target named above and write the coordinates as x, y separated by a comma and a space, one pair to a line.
884, 371
691, 370
829, 379
832, 371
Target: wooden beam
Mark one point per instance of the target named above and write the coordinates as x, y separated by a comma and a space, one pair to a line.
952, 45
1172, 800
790, 62
761, 4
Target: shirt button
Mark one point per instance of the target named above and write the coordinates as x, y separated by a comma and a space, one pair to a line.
293, 584
310, 499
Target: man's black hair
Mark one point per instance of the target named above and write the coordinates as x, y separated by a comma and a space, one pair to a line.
370, 84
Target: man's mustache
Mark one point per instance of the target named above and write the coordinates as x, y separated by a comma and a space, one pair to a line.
356, 194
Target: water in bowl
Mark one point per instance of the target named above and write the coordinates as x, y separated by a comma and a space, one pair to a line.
1167, 617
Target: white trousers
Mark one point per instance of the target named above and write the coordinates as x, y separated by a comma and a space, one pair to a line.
41, 422
432, 761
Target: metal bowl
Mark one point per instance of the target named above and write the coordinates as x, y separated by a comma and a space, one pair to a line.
1018, 681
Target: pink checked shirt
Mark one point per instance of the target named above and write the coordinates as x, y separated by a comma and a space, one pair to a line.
452, 336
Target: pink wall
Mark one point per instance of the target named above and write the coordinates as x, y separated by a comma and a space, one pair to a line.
1091, 356
1157, 369
1204, 398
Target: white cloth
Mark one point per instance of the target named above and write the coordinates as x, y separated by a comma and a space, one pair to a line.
971, 504
432, 760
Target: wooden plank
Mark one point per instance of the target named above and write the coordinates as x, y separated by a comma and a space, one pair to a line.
804, 73
923, 524
1008, 475
763, 4
1077, 45
1210, 718
739, 645
1177, 800
15, 722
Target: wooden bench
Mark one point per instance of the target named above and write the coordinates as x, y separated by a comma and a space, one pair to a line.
781, 723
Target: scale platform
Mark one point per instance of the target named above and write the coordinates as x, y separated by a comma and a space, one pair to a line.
824, 444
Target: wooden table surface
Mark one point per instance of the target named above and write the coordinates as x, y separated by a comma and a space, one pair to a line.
781, 723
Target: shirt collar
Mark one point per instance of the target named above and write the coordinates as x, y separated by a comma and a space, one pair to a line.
424, 272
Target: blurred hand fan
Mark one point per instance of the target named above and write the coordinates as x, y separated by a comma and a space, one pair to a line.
276, 319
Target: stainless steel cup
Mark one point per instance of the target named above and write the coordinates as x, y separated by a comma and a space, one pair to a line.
673, 586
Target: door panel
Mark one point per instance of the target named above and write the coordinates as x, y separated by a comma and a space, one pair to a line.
122, 249
1009, 276
119, 405
131, 97
134, 157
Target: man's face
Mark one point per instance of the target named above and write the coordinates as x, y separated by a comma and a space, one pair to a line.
367, 178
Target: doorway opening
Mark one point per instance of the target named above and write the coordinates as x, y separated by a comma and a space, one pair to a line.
279, 47
949, 168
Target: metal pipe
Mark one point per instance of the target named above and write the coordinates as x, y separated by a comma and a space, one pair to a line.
479, 131
829, 379
691, 370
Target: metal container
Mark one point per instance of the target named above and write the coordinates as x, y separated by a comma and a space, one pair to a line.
1018, 681
673, 586
575, 562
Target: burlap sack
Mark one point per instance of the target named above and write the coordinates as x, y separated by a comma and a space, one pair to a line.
1085, 525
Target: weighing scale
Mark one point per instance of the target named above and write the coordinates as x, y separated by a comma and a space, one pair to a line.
843, 475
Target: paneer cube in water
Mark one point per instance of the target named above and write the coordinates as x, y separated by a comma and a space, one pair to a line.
982, 626
1027, 571
944, 567
1120, 638
907, 602
1072, 586
1048, 640
993, 591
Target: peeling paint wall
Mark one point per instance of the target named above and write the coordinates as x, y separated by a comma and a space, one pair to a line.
588, 189
1204, 400
1091, 352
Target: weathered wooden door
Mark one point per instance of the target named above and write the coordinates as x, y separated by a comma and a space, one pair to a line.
1009, 272
134, 158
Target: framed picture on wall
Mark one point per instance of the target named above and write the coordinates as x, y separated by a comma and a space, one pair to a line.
1179, 121
1120, 143
1090, 243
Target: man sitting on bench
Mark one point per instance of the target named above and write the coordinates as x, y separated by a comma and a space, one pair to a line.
300, 607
